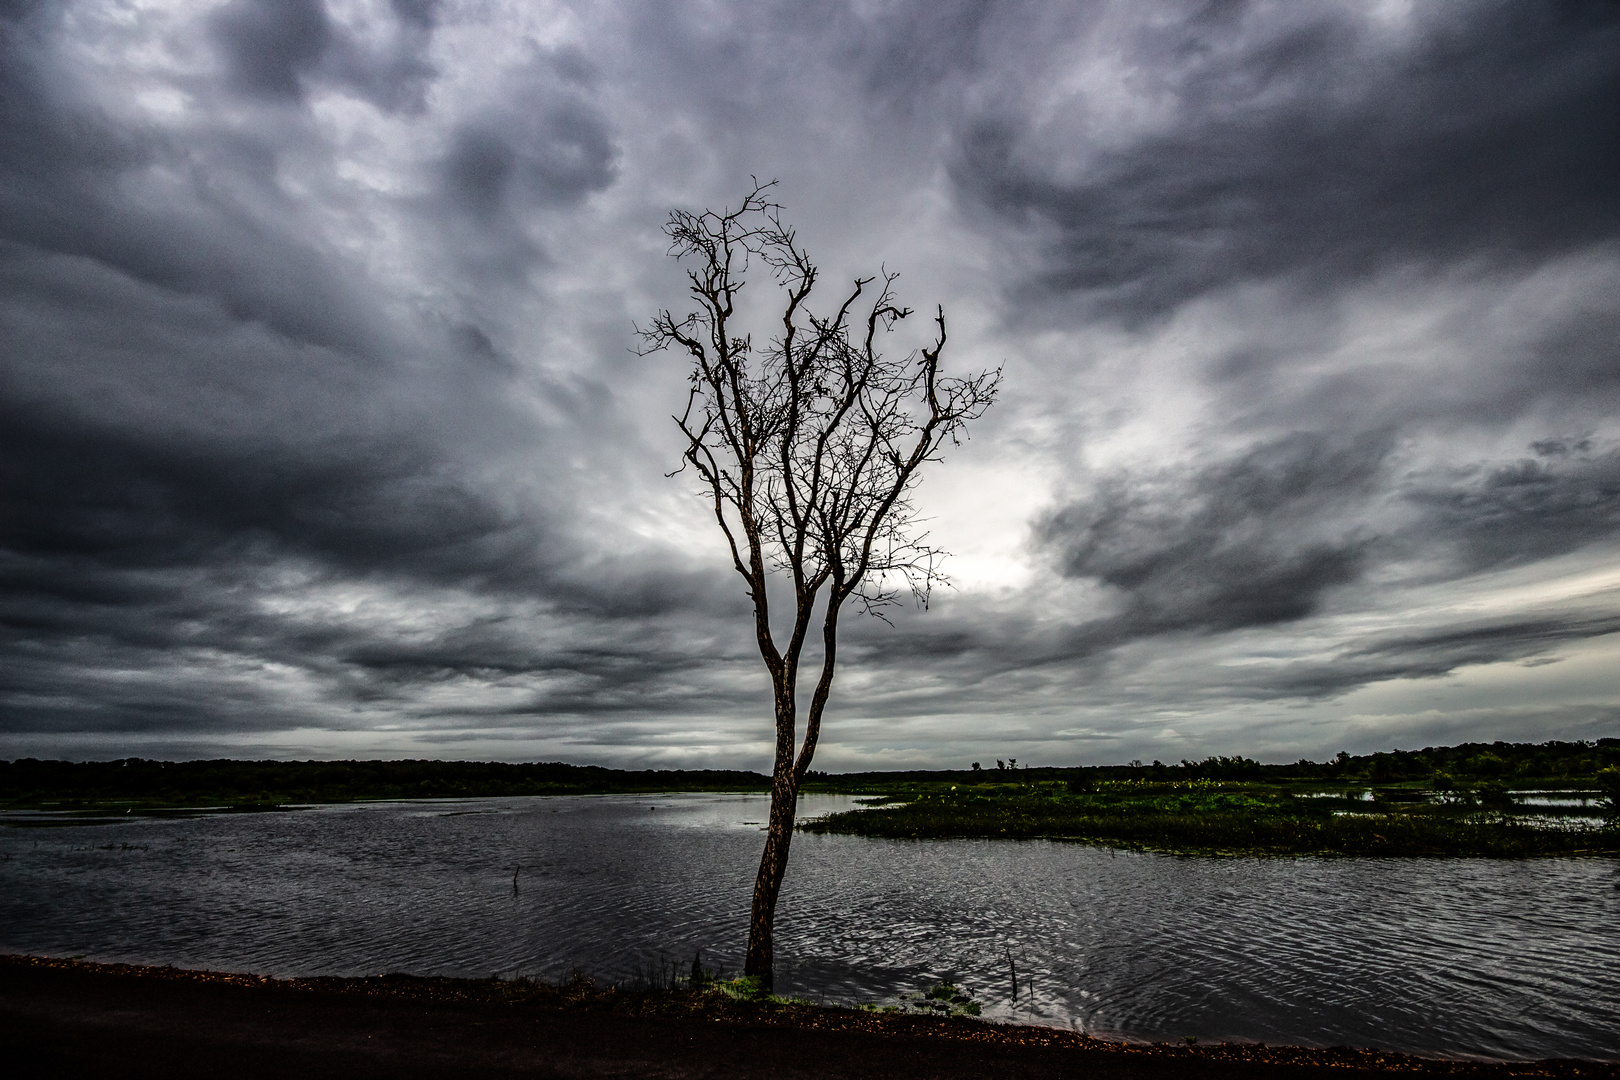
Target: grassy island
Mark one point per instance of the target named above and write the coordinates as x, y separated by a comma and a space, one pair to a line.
1235, 816
1475, 799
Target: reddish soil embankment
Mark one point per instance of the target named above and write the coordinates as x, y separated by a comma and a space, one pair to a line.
61, 1018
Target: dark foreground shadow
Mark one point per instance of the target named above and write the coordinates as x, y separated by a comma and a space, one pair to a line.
65, 1019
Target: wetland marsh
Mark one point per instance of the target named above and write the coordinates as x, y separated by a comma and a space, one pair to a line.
1509, 958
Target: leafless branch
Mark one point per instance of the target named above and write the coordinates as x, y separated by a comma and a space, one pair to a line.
808, 448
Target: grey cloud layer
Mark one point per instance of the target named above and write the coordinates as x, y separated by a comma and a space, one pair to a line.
1308, 142
282, 449
1248, 542
271, 48
1263, 538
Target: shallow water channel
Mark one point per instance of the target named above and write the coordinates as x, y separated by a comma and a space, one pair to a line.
1439, 956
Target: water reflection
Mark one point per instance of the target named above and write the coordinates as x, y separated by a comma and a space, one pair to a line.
1507, 959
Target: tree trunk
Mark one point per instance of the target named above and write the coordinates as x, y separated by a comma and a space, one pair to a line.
772, 865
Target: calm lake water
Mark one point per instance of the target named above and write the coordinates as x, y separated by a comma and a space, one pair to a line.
1436, 956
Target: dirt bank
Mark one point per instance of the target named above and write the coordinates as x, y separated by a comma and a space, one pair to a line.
64, 1018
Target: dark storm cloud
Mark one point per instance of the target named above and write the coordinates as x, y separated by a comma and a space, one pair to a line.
1249, 542
1499, 360
164, 535
317, 413
1563, 498
544, 147
1312, 150
1263, 538
270, 44
201, 218
166, 424
119, 543
1577, 359
1431, 655
187, 375
1515, 639
556, 158
1319, 146
201, 668
207, 424
117, 498
270, 48
478, 170
422, 14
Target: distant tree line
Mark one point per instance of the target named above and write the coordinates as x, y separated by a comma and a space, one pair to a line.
1500, 762
30, 782
219, 782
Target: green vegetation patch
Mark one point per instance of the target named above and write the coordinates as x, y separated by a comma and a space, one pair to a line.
1206, 816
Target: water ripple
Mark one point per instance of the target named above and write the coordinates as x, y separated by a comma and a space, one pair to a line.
1449, 956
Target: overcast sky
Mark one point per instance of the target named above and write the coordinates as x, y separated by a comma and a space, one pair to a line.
321, 433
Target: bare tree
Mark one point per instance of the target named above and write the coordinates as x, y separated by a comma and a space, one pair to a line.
809, 447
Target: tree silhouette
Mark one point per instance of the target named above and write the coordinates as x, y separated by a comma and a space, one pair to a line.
808, 447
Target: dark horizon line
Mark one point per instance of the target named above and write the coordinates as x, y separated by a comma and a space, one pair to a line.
1573, 745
